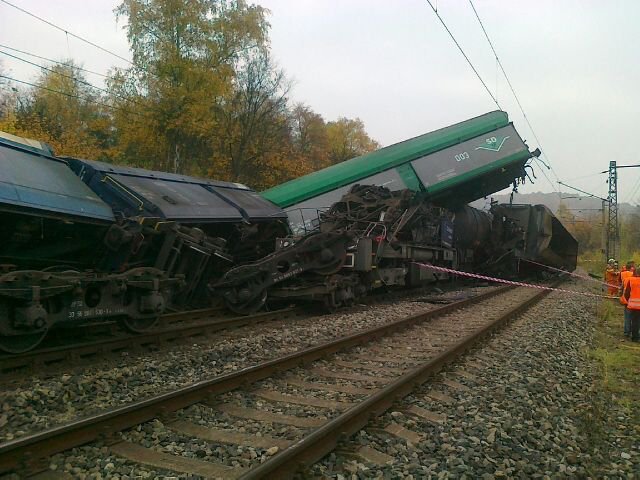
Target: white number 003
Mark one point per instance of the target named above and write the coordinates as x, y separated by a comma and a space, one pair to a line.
462, 156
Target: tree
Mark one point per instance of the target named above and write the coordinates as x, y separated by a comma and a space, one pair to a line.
7, 96
202, 97
255, 145
630, 233
185, 54
348, 139
309, 134
64, 111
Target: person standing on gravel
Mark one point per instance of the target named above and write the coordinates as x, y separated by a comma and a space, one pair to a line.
625, 275
632, 297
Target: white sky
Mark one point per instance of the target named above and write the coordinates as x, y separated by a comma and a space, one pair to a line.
574, 64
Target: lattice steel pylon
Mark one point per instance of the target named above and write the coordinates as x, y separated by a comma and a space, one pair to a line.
613, 231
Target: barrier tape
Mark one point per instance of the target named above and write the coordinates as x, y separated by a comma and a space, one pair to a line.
584, 277
508, 282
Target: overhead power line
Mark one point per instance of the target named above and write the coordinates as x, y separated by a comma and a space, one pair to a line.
62, 74
65, 75
513, 91
544, 174
630, 196
6, 47
581, 177
70, 95
462, 52
67, 32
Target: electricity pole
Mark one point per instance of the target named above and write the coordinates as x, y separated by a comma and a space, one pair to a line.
613, 230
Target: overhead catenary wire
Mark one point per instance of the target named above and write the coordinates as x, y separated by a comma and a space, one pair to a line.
583, 176
515, 95
555, 189
67, 32
70, 95
62, 74
544, 174
435, 10
633, 192
58, 62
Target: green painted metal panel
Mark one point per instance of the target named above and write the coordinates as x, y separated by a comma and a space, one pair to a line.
409, 177
350, 171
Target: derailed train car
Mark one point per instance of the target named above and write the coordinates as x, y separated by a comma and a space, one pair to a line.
451, 167
83, 241
377, 238
372, 220
537, 238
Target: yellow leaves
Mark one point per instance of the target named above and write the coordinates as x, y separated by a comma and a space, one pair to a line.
279, 167
348, 139
204, 99
68, 144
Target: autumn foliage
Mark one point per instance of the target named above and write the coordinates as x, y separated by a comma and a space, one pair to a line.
202, 97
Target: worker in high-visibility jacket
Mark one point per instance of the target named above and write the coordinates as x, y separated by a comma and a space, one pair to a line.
625, 275
632, 297
611, 278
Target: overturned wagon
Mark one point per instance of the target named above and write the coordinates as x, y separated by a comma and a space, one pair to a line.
82, 241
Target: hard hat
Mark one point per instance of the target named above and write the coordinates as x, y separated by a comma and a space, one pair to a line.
612, 260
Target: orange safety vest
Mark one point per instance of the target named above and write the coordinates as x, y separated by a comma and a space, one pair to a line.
625, 275
611, 277
633, 301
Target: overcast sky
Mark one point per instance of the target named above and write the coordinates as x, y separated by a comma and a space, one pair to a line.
574, 64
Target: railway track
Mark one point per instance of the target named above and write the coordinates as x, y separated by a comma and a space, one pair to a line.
175, 327
172, 328
355, 368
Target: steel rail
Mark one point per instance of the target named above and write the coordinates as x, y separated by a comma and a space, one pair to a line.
172, 317
10, 364
26, 453
45, 356
325, 439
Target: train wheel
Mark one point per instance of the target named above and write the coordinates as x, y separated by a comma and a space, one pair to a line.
21, 343
248, 307
139, 325
330, 269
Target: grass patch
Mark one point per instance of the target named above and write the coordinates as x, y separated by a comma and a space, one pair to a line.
611, 419
619, 358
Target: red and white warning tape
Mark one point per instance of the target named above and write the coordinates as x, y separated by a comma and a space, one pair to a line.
507, 282
584, 277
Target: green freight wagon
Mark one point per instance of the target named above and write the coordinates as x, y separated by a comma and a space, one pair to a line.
452, 166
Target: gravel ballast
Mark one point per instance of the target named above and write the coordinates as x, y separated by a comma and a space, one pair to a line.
522, 416
517, 406
40, 402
